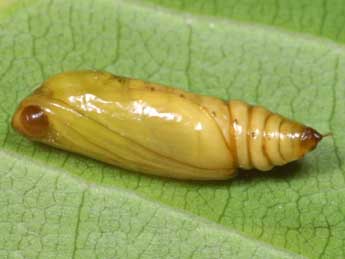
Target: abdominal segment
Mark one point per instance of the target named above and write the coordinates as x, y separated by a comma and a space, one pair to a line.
264, 139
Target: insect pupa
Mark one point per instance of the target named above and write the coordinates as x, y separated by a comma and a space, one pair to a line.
158, 130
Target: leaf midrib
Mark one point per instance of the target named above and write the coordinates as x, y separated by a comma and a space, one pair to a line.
84, 186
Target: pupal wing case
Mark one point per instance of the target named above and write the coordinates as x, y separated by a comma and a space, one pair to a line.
158, 130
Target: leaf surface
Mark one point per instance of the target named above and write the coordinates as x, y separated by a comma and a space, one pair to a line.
60, 205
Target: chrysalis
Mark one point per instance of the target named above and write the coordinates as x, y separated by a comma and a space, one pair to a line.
158, 130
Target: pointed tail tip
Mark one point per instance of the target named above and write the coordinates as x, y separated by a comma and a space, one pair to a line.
316, 136
329, 134
310, 138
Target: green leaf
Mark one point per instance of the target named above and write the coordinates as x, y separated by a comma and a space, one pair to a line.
320, 17
59, 205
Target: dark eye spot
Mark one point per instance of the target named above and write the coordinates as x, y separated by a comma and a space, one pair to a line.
34, 121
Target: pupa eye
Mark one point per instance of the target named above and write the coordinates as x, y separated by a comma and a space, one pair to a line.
34, 121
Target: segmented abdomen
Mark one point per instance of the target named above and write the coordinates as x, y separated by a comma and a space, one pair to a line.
264, 139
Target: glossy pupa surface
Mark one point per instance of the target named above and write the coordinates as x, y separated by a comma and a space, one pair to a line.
158, 130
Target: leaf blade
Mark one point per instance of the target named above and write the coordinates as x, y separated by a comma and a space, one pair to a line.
299, 76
